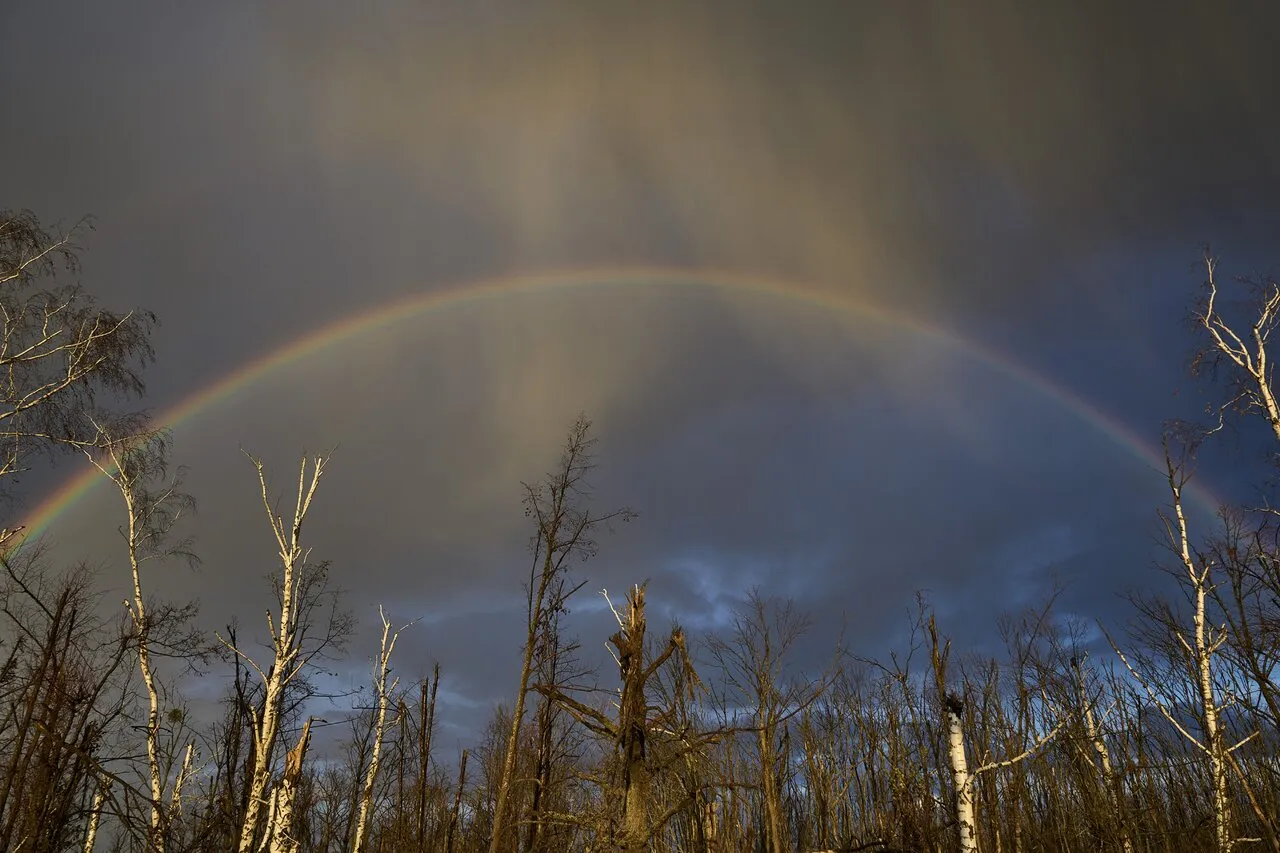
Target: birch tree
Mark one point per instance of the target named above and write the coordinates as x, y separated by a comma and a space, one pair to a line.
282, 837
138, 467
1244, 351
300, 590
1199, 644
963, 774
60, 353
383, 693
1246, 585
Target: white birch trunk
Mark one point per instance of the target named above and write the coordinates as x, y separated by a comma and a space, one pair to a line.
285, 643
184, 773
281, 832
961, 778
1113, 783
122, 476
95, 815
1203, 650
1252, 357
281, 825
384, 698
138, 613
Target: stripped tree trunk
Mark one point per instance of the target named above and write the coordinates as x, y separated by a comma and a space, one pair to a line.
286, 642
95, 815
427, 716
379, 729
1203, 649
457, 804
281, 829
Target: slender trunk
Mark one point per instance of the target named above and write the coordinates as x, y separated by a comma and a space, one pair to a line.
379, 730
769, 785
95, 815
962, 780
426, 724
184, 773
1113, 784
138, 613
517, 714
1212, 730
541, 776
1203, 650
285, 644
457, 804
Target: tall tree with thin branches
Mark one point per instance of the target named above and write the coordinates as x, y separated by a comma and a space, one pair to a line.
564, 530
60, 352
300, 588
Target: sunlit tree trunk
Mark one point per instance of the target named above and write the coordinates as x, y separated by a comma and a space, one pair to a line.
384, 692
95, 816
283, 839
134, 464
961, 778
1111, 779
285, 636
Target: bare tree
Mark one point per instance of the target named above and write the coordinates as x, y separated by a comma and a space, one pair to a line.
137, 465
59, 351
563, 531
1200, 643
964, 774
64, 696
753, 661
629, 821
299, 594
383, 694
1244, 352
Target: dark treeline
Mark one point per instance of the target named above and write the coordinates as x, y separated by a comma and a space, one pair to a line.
1162, 734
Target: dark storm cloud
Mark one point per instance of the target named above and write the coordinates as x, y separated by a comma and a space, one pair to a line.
1036, 175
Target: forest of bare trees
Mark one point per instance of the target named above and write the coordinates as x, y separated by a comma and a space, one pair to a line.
1161, 733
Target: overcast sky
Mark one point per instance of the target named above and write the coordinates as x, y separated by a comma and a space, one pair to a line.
1033, 181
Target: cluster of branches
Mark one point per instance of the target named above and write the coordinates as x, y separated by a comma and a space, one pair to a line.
1164, 738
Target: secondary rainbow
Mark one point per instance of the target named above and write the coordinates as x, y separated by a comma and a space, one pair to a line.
404, 310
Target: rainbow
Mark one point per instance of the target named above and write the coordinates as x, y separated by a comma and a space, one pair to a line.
404, 310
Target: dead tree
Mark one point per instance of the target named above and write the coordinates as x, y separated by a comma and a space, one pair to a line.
383, 693
563, 531
64, 698
297, 589
963, 775
629, 823
753, 661
284, 795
